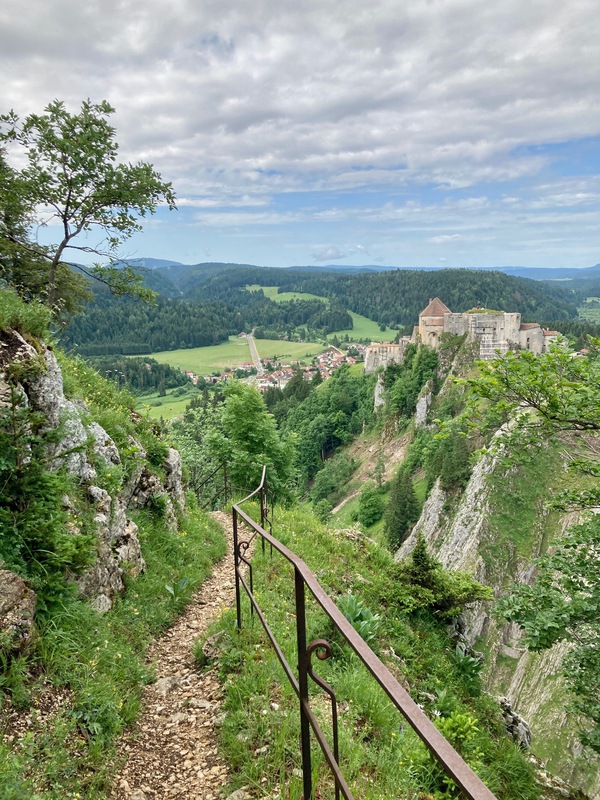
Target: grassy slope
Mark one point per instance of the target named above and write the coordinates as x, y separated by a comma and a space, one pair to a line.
381, 757
364, 328
592, 314
234, 353
80, 682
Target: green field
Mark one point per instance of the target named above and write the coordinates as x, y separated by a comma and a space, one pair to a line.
271, 293
364, 328
166, 407
590, 310
231, 354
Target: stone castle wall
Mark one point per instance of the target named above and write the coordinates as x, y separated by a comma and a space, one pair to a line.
496, 332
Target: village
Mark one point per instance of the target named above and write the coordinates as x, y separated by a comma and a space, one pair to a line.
267, 373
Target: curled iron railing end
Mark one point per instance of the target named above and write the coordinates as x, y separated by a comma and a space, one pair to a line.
321, 648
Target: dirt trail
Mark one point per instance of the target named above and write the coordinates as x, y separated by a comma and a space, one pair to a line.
173, 750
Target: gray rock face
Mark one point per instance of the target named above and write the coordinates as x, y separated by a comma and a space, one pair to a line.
379, 393
530, 681
174, 483
84, 444
423, 404
516, 726
17, 607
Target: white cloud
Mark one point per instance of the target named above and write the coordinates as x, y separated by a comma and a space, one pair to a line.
331, 253
241, 105
446, 238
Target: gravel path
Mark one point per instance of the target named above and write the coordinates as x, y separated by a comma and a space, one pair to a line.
173, 751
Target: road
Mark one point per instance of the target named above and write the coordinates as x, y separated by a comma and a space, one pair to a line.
254, 353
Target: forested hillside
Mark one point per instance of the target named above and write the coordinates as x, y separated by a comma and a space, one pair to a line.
397, 298
220, 306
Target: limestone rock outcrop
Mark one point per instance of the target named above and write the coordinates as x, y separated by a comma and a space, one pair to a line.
17, 607
83, 447
459, 534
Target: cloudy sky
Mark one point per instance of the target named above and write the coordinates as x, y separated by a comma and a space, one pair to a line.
421, 133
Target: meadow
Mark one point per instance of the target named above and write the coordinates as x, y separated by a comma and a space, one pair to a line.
234, 353
364, 328
168, 406
590, 310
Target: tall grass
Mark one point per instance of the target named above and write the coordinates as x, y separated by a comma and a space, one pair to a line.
381, 756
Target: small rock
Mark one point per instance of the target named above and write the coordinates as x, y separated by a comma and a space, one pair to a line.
196, 702
166, 685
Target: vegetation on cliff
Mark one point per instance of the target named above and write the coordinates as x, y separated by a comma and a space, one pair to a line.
546, 397
77, 674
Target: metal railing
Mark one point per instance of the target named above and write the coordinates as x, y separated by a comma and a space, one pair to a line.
451, 762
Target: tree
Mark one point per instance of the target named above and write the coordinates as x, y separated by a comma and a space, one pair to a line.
402, 510
424, 584
370, 505
72, 179
546, 396
247, 438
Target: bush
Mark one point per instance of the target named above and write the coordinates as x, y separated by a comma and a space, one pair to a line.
370, 505
425, 584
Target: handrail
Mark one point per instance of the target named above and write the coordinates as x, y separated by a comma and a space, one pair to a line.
452, 763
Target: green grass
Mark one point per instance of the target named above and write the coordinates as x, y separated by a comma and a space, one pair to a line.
234, 353
364, 328
288, 351
98, 663
206, 360
588, 312
272, 293
167, 407
381, 758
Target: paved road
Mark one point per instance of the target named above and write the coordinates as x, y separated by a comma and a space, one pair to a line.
254, 353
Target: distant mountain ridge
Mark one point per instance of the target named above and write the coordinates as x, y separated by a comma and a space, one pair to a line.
176, 268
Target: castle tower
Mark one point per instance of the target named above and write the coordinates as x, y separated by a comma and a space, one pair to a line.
431, 322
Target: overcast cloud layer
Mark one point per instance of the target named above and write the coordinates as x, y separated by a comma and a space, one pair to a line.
436, 132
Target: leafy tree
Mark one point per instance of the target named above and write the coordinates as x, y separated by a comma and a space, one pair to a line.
331, 481
402, 510
247, 438
545, 396
564, 604
73, 180
370, 505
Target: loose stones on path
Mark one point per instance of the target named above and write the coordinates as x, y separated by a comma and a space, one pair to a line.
173, 752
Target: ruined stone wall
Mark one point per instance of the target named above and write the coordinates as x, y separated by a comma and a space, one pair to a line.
532, 339
382, 355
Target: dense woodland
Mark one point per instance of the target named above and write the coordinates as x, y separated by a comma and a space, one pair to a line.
219, 306
119, 325
397, 297
140, 375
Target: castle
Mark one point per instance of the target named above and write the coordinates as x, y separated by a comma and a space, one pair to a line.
494, 331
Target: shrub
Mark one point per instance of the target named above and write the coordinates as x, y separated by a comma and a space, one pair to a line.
370, 505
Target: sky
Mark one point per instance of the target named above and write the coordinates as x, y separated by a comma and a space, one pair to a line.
455, 133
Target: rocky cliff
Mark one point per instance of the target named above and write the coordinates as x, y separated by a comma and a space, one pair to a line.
493, 530
31, 380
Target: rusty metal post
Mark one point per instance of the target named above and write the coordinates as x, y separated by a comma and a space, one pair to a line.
225, 483
303, 684
236, 564
263, 511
